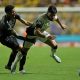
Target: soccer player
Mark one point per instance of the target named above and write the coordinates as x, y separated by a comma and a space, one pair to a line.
7, 33
37, 31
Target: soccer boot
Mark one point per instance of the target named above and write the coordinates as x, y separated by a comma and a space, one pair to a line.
7, 67
56, 58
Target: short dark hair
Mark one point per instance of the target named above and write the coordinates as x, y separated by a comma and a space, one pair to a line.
52, 9
9, 8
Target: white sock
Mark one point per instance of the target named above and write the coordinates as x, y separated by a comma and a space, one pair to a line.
53, 51
17, 59
55, 56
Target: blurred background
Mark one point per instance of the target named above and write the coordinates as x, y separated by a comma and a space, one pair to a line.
68, 12
39, 3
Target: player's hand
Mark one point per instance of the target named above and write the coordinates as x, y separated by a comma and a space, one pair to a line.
64, 26
29, 23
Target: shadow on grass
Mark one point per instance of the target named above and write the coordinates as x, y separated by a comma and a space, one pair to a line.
37, 73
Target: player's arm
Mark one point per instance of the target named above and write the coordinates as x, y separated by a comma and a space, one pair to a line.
58, 21
39, 33
21, 37
23, 21
17, 35
38, 26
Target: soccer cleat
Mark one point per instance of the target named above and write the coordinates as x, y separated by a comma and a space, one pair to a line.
57, 59
13, 72
13, 68
7, 67
22, 71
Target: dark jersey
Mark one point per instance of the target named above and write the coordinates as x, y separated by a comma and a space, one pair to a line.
7, 24
30, 31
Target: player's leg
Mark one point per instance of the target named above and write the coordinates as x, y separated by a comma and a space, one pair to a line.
11, 59
53, 45
26, 46
12, 43
22, 60
16, 60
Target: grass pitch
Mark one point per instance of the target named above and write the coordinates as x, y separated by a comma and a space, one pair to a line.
40, 66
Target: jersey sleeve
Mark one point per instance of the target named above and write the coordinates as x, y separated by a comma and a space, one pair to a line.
17, 16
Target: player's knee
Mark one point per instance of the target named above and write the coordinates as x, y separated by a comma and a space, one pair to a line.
55, 47
24, 51
14, 51
21, 46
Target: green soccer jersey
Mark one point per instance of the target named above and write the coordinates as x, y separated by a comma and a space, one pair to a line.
42, 21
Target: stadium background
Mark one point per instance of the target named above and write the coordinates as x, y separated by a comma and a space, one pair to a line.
39, 65
70, 18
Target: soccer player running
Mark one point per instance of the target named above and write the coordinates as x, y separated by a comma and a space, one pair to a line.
7, 33
37, 31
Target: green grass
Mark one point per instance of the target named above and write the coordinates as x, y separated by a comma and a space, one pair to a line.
40, 66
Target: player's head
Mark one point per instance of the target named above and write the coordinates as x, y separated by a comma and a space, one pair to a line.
9, 9
51, 12
52, 9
